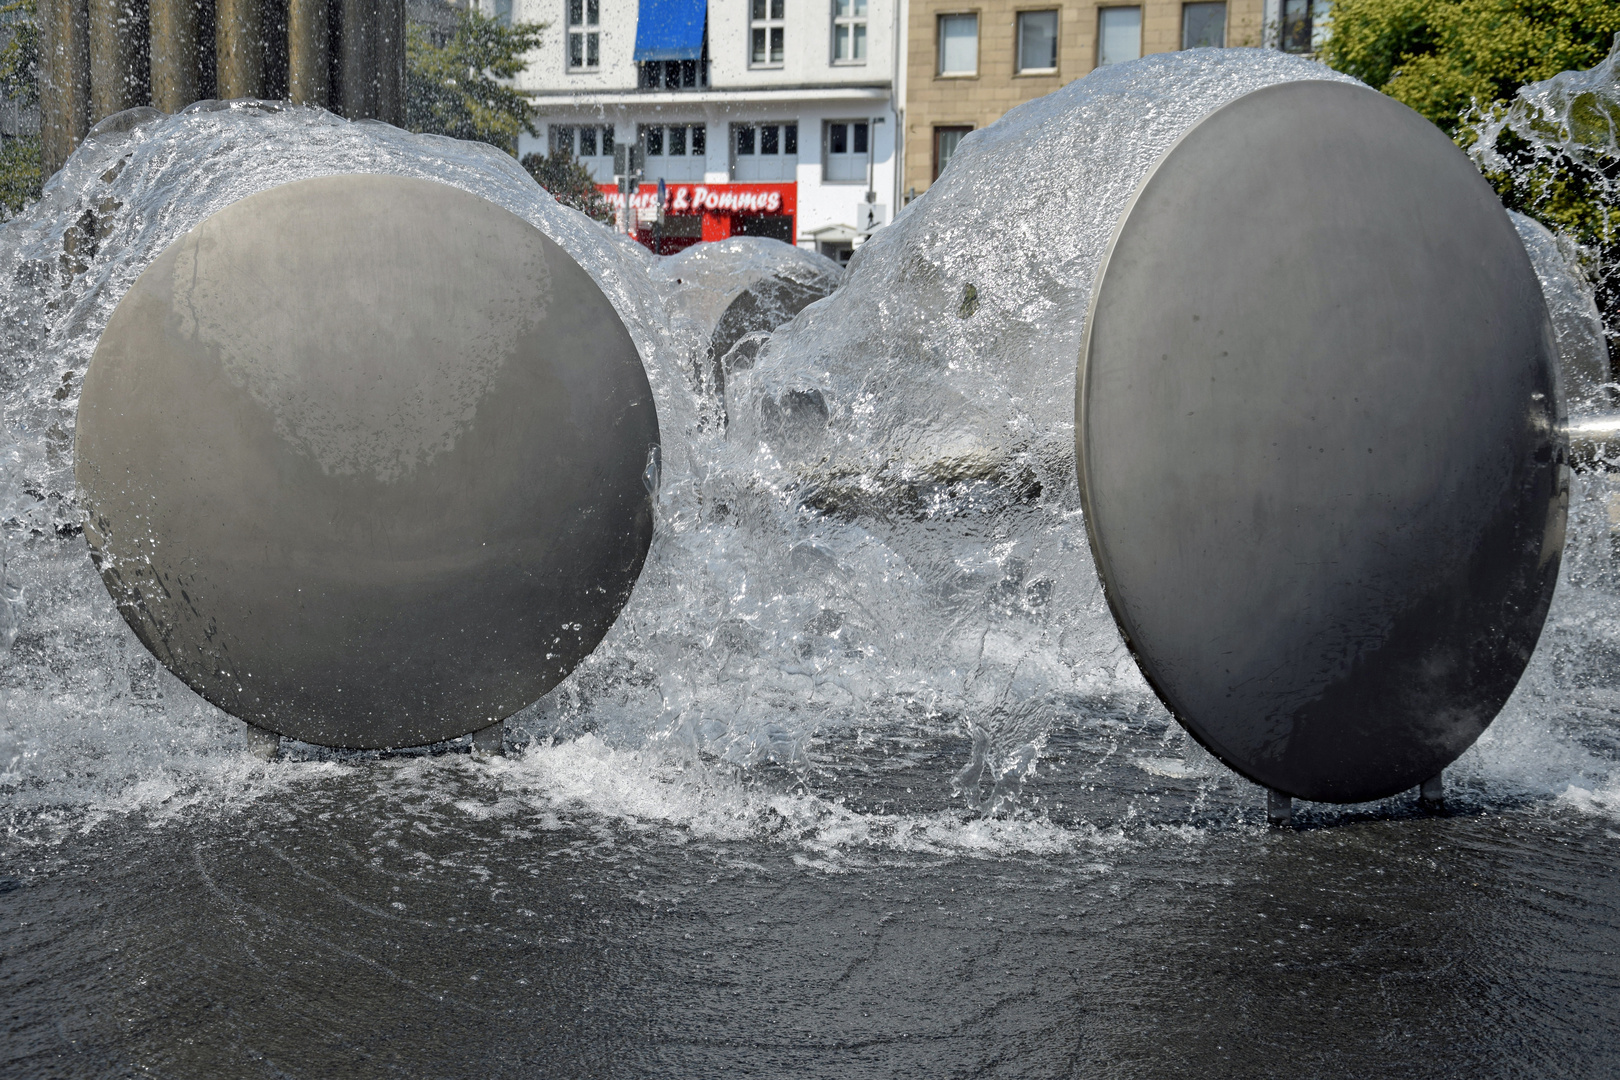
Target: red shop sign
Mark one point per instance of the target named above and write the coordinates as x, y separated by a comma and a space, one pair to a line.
708, 198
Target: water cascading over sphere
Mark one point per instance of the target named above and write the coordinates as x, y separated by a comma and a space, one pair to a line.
1320, 445
364, 461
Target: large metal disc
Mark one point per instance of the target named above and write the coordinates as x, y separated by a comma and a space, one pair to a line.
1318, 441
362, 459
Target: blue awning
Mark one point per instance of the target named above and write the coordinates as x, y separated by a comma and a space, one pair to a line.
670, 29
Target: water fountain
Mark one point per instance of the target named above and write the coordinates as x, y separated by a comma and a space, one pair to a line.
277, 456
732, 823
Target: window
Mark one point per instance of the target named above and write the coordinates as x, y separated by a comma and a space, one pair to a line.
958, 44
1037, 40
946, 140
765, 33
584, 35
764, 152
849, 31
1119, 34
676, 74
503, 12
591, 143
1203, 26
674, 151
1302, 21
848, 146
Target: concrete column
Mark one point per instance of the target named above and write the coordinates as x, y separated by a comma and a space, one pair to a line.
117, 56
308, 53
239, 48
174, 53
64, 106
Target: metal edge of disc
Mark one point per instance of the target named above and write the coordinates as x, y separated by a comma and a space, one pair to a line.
1099, 557
651, 498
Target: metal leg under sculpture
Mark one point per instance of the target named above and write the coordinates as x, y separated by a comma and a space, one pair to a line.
489, 742
1432, 793
262, 744
1279, 808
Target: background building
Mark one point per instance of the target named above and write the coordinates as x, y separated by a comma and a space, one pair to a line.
969, 62
763, 117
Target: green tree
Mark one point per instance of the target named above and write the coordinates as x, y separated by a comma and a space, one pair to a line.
459, 88
1440, 56
20, 172
562, 174
1524, 87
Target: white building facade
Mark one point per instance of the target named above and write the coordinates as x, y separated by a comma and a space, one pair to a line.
762, 117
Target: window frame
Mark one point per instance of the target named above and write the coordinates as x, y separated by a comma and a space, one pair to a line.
939, 42
868, 155
768, 24
571, 133
1018, 41
1226, 15
1137, 7
787, 146
587, 32
1307, 23
851, 21
939, 129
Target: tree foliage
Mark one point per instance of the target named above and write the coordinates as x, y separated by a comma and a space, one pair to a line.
566, 178
1440, 56
1524, 87
20, 161
19, 52
20, 178
460, 88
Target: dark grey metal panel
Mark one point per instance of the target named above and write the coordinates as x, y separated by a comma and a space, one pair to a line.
362, 461
1318, 441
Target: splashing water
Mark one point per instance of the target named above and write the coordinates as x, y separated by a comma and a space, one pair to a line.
871, 579
1557, 145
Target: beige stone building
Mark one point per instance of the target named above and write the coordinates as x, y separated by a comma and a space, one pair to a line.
969, 61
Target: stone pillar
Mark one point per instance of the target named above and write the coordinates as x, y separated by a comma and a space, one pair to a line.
175, 67
373, 55
117, 56
360, 18
239, 48
64, 106
308, 53
390, 62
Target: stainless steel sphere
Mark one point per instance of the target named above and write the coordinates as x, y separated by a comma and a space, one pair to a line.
362, 460
1319, 442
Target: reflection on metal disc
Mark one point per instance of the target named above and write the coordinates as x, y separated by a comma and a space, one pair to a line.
362, 459
1318, 441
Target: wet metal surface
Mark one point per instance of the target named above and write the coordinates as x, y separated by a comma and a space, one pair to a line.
1319, 440
363, 459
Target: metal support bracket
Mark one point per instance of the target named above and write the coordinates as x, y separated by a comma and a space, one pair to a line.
490, 741
1279, 808
262, 744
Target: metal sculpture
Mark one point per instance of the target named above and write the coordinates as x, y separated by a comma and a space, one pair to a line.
1319, 442
365, 461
